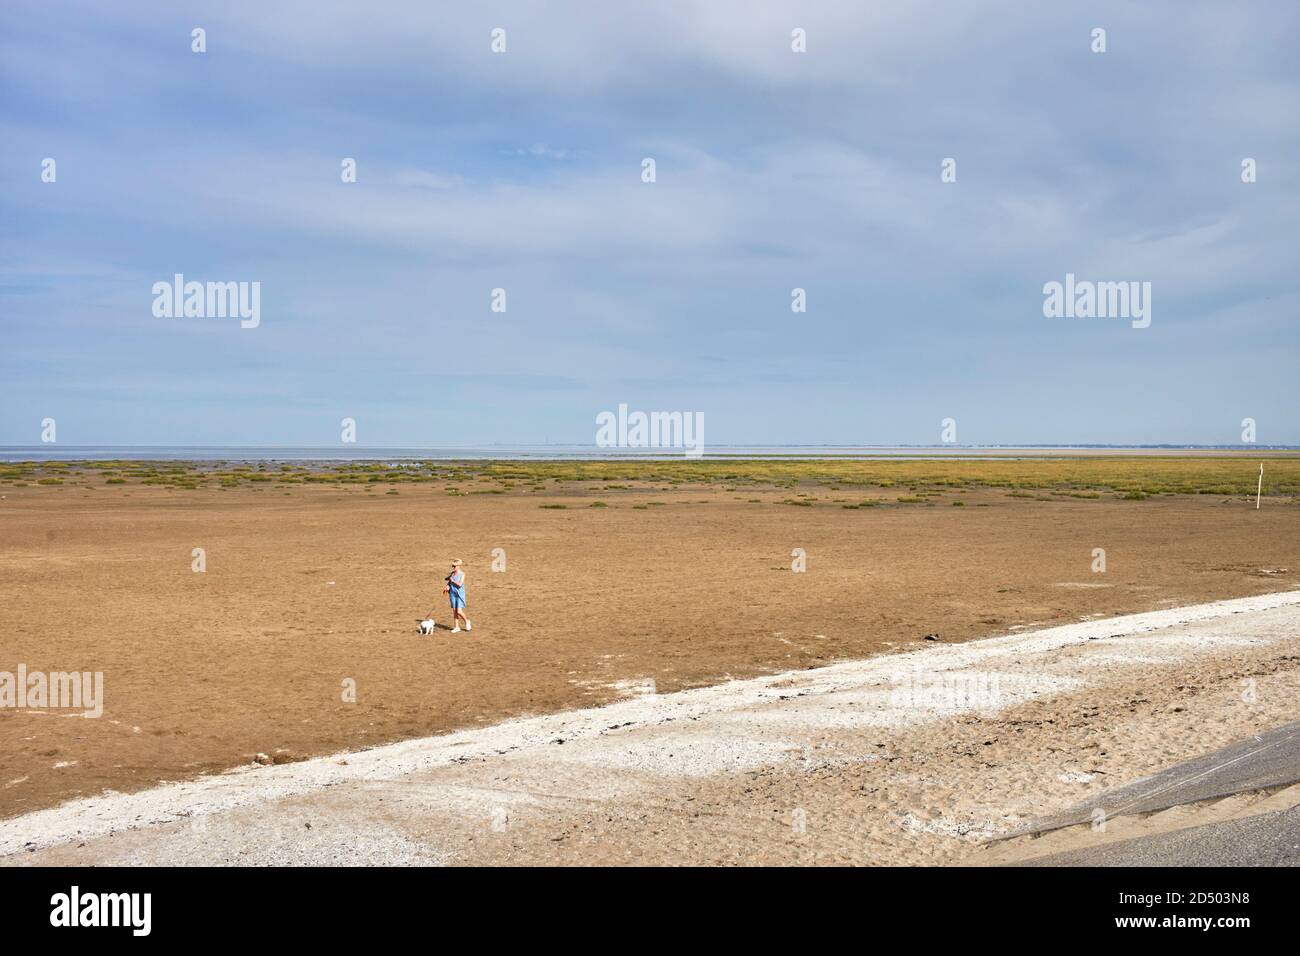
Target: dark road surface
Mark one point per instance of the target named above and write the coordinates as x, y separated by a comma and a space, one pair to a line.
1264, 762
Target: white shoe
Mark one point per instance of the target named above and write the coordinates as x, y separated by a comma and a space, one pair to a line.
467, 625
455, 630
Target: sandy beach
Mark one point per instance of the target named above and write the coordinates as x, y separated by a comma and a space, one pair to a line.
663, 587
857, 763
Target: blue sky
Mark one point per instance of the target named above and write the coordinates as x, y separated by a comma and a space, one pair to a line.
775, 170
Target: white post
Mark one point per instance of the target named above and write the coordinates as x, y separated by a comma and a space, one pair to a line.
1260, 487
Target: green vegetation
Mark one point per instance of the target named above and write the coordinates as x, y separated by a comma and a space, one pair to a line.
1226, 474
1133, 478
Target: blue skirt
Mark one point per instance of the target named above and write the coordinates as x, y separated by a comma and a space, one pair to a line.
457, 596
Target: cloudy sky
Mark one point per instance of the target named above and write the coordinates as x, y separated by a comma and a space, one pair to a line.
523, 170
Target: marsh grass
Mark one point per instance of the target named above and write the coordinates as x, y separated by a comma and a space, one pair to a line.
1132, 478
1220, 474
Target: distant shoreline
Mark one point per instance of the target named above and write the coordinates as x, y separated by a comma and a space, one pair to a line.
220, 453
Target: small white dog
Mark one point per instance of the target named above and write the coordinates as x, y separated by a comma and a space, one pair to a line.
427, 626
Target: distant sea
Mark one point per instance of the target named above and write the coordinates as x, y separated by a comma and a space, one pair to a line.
234, 453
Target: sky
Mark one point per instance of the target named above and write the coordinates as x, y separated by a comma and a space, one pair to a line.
774, 170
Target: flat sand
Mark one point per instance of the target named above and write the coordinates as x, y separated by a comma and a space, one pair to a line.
860, 762
308, 588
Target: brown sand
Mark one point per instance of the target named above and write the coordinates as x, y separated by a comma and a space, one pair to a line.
851, 763
312, 586
934, 794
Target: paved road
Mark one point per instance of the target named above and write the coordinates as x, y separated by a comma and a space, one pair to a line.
1262, 762
1269, 839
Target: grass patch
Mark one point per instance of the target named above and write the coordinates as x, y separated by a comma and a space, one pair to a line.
1226, 474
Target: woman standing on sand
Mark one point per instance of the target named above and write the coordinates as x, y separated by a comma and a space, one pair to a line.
455, 589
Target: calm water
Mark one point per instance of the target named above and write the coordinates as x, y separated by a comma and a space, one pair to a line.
55, 452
